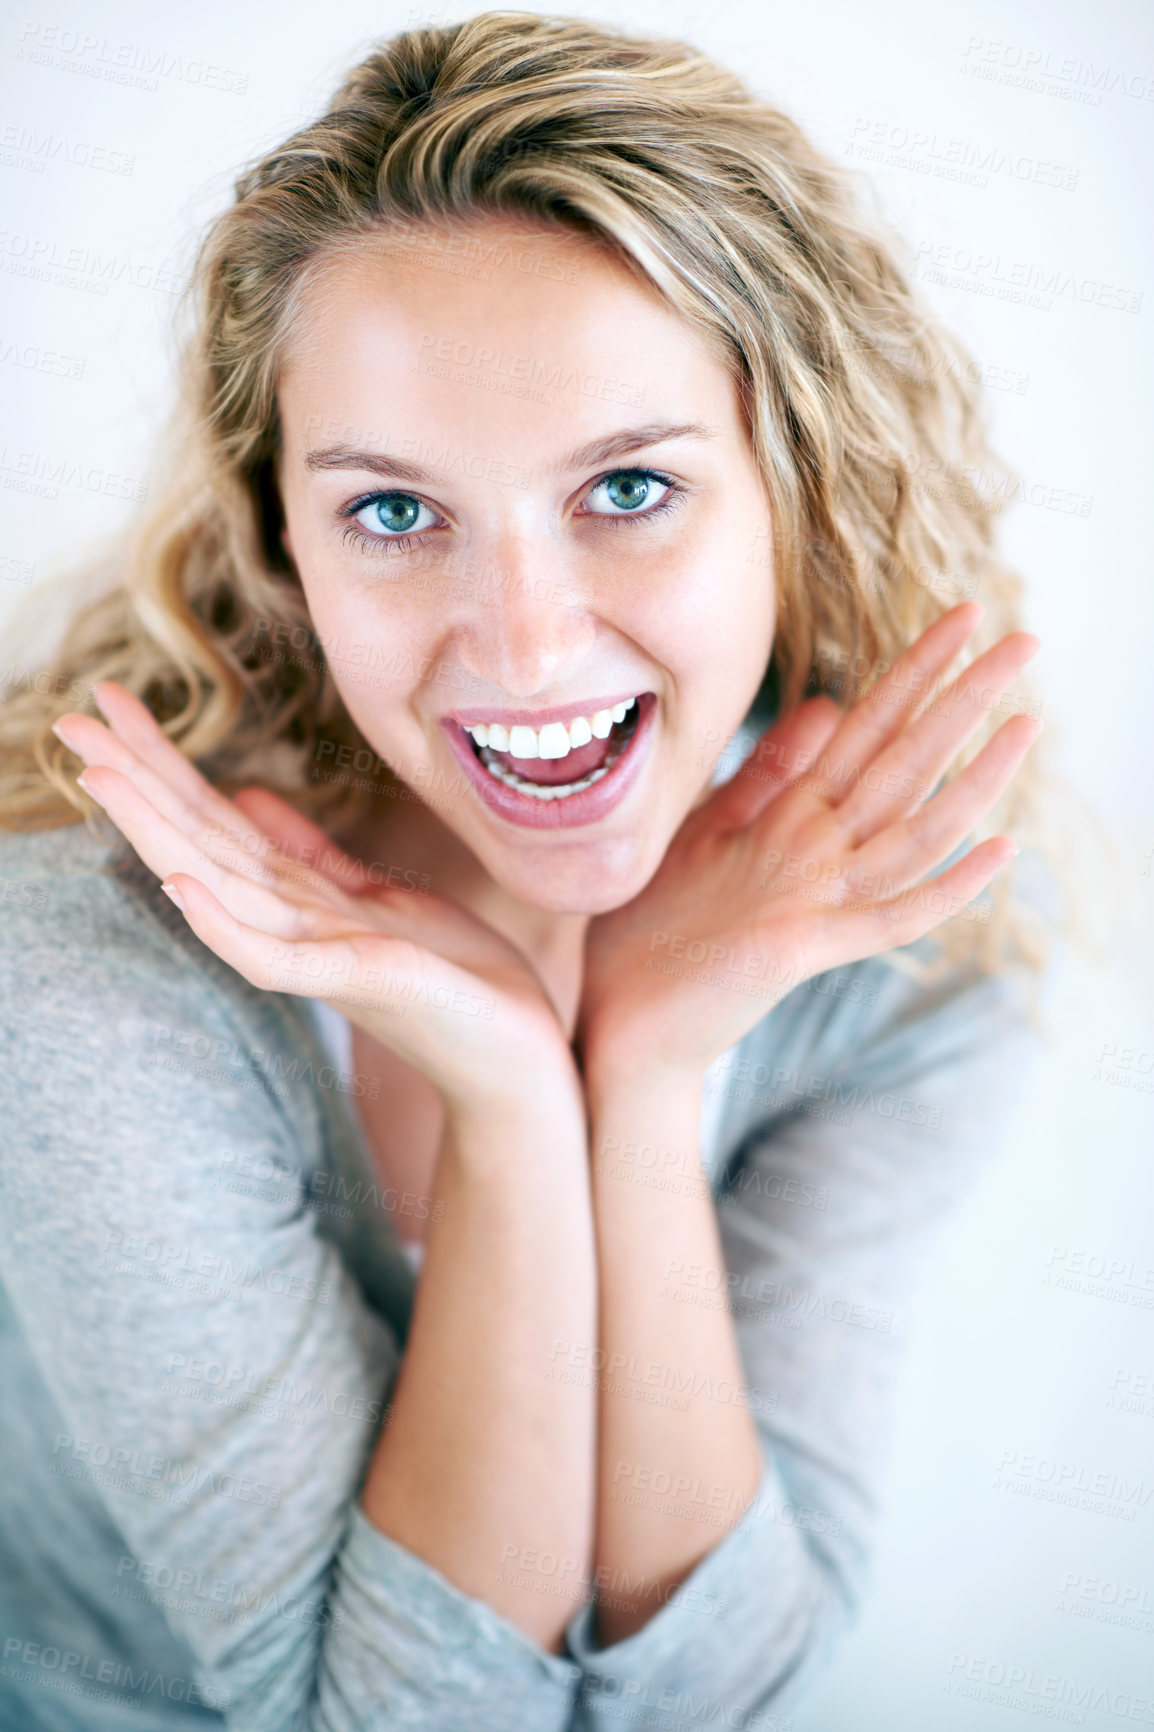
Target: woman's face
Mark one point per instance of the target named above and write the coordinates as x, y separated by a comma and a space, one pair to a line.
519, 494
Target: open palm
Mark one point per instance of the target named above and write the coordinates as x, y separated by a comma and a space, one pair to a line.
415, 971
814, 855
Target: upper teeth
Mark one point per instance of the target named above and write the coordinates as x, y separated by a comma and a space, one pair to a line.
555, 739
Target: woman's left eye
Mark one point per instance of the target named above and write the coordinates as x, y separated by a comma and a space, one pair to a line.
629, 492
388, 515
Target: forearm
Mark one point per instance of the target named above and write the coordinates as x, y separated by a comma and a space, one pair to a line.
486, 1465
651, 1211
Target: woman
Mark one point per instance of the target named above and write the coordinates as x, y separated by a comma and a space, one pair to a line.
553, 423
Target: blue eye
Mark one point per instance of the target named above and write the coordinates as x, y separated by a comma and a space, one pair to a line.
386, 515
627, 491
394, 522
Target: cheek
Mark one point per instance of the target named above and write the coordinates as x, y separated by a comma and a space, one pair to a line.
378, 699
376, 650
706, 612
360, 612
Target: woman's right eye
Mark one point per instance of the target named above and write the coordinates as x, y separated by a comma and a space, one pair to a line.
387, 515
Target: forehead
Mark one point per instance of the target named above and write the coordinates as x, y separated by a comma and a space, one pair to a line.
490, 321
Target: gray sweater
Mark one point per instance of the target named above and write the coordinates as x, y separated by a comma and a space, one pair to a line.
203, 1304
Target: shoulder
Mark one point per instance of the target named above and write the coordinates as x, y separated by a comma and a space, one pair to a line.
83, 920
73, 894
101, 978
904, 1039
906, 1013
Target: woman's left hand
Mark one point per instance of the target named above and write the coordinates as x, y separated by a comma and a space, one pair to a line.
811, 857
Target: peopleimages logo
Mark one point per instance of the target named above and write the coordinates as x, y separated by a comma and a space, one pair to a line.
1017, 280
136, 64
1072, 1484
26, 148
51, 261
479, 364
1044, 1693
187, 1590
1029, 66
128, 1469
108, 1680
924, 151
38, 473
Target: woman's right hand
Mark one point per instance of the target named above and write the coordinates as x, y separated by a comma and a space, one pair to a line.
415, 971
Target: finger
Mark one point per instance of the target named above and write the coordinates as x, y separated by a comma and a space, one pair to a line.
782, 754
399, 908
902, 776
219, 829
401, 899
906, 851
865, 929
98, 746
165, 848
887, 706
134, 724
369, 976
135, 744
300, 839
312, 966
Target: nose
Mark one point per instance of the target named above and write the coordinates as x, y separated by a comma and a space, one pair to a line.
527, 623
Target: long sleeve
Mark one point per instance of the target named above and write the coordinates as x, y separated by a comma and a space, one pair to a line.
855, 1115
206, 1374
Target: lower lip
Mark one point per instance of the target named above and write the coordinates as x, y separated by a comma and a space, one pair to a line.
589, 807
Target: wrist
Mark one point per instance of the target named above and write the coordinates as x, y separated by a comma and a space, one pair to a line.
527, 1098
643, 1137
643, 1093
615, 1068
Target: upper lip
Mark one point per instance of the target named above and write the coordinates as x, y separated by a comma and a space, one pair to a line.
472, 718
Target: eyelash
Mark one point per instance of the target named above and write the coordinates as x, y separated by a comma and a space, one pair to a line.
390, 544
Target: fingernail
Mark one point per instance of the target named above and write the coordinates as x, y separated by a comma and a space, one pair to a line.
62, 736
174, 895
91, 792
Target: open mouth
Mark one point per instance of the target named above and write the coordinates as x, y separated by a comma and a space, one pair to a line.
563, 774
571, 771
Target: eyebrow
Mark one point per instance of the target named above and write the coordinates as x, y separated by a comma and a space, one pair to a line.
602, 450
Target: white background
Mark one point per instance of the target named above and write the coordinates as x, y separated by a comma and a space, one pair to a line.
962, 150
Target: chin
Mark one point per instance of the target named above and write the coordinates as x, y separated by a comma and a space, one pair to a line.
588, 877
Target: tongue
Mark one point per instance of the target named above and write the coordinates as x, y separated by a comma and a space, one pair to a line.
550, 772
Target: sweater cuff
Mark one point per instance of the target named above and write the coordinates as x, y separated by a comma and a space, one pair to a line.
754, 1618
700, 1604
404, 1642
